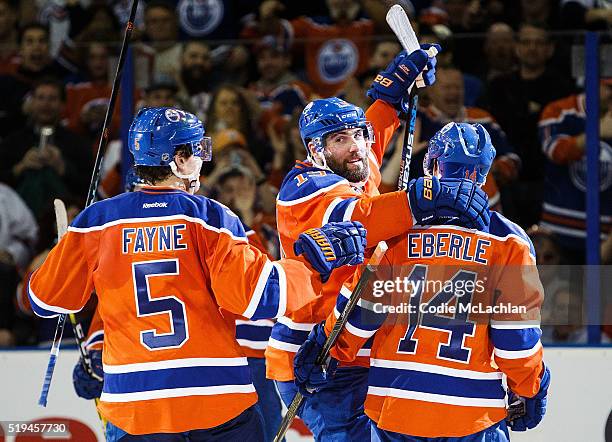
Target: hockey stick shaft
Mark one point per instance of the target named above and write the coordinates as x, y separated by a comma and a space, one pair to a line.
95, 178
365, 277
404, 175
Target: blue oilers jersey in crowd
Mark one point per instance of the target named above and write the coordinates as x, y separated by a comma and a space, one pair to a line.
565, 174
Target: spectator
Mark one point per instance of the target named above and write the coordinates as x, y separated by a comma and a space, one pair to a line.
586, 14
35, 58
277, 89
87, 101
196, 77
562, 311
18, 234
384, 53
447, 105
231, 150
516, 100
562, 134
499, 51
541, 13
96, 23
268, 21
8, 36
34, 63
232, 108
336, 45
288, 148
57, 168
161, 34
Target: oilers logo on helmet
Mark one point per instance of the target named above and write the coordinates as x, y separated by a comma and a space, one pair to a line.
460, 150
328, 115
155, 134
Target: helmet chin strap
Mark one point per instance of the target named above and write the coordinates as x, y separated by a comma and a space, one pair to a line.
193, 177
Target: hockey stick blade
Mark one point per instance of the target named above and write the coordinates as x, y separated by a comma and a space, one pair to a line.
369, 270
400, 25
61, 217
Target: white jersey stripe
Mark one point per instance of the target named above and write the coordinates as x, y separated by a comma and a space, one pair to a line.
176, 392
175, 363
437, 398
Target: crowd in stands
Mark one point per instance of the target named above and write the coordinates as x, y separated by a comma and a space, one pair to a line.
247, 68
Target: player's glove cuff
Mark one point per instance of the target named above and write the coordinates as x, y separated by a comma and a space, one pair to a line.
332, 246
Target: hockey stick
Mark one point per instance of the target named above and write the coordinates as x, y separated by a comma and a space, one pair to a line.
61, 221
369, 270
91, 196
400, 24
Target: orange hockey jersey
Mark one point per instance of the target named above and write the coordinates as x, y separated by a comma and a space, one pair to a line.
163, 264
452, 310
311, 197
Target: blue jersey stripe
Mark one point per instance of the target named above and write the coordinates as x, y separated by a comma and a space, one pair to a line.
337, 214
282, 333
253, 332
515, 339
424, 382
184, 377
312, 179
361, 318
503, 227
270, 298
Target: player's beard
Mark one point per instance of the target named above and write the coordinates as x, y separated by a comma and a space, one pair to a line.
353, 172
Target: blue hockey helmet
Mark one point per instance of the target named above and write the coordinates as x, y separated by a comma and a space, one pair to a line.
325, 116
156, 132
461, 150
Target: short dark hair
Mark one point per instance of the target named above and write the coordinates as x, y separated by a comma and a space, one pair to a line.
233, 172
155, 174
53, 82
34, 25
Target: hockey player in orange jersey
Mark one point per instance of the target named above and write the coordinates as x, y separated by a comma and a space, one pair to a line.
437, 363
163, 263
338, 182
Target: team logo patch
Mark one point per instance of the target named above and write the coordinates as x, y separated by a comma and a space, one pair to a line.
337, 59
165, 157
200, 17
578, 170
173, 115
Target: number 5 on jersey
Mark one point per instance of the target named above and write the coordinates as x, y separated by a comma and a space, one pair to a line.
146, 306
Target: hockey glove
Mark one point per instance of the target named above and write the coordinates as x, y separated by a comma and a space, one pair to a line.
448, 201
535, 407
394, 83
331, 246
86, 386
310, 377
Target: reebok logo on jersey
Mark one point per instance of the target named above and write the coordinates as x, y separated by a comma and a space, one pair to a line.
154, 205
323, 243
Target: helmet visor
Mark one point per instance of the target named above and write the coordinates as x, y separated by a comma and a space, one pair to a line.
203, 149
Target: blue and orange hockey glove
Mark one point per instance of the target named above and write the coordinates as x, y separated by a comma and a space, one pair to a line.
331, 246
448, 200
86, 386
393, 85
535, 407
309, 376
